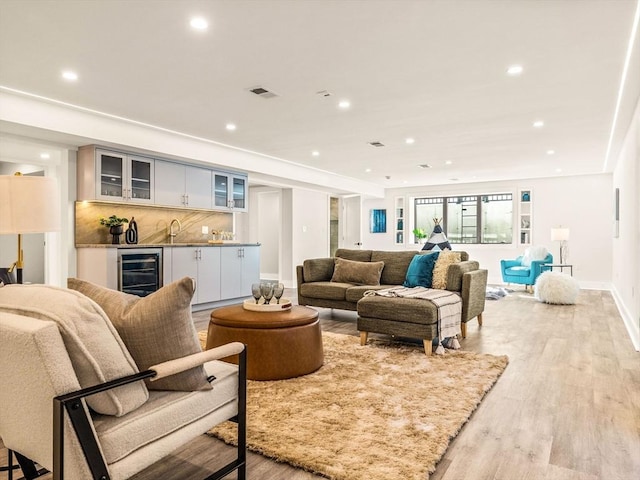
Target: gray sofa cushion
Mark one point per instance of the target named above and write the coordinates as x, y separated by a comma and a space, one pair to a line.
325, 290
318, 269
359, 273
355, 293
355, 255
395, 265
409, 310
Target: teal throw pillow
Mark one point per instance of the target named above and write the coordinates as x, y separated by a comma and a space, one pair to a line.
420, 271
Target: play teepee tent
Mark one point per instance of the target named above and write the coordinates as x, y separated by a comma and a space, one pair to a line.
437, 237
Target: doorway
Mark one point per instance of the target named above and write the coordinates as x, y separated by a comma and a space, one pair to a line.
350, 222
334, 225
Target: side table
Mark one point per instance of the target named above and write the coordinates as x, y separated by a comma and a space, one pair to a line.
548, 267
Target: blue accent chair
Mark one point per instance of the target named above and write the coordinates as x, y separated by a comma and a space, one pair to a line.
514, 271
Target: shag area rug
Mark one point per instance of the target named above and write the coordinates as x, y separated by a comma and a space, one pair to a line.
383, 411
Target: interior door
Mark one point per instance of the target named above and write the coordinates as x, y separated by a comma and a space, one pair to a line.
351, 222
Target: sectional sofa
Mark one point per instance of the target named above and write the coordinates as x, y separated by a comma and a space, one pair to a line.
416, 318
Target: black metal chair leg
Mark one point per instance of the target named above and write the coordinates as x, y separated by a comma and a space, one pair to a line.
29, 470
10, 467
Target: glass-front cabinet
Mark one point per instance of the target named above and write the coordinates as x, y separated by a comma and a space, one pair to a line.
122, 177
230, 191
220, 190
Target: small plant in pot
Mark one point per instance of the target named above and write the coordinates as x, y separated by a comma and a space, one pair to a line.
419, 234
115, 227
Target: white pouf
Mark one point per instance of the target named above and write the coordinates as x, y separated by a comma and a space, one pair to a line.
557, 288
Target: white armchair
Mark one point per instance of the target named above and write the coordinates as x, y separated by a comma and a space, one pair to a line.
44, 416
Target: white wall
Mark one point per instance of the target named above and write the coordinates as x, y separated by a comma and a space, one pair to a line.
310, 226
626, 248
581, 203
265, 222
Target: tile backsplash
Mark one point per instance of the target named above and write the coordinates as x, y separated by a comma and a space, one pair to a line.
153, 223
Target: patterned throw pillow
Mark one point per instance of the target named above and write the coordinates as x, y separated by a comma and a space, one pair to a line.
442, 266
420, 271
155, 329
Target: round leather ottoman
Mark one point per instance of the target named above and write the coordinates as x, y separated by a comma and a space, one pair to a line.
280, 345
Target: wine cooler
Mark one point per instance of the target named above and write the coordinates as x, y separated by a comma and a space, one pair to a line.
139, 270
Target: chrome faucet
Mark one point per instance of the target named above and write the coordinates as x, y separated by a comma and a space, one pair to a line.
171, 234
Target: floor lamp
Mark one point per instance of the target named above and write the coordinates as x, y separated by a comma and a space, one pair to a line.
561, 235
30, 204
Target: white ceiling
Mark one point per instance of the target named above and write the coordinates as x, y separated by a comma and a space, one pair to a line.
432, 70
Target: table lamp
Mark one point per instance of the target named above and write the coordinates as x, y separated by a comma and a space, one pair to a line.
30, 204
561, 235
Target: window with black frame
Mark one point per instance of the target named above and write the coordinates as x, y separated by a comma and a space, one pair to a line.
468, 219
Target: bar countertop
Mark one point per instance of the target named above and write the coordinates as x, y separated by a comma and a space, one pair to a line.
163, 245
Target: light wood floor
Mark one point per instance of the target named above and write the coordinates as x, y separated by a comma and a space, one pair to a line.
566, 408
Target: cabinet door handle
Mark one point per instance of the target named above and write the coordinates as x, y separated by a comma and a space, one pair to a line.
186, 199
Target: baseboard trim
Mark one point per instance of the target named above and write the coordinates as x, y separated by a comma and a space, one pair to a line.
632, 328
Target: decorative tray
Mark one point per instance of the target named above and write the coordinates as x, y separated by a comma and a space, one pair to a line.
285, 304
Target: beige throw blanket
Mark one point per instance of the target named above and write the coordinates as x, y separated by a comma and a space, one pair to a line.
448, 304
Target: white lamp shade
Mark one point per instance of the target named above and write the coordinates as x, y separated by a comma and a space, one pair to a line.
559, 234
29, 204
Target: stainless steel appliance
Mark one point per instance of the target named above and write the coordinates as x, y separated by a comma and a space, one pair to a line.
139, 270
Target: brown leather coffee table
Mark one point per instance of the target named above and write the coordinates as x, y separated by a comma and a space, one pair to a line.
282, 344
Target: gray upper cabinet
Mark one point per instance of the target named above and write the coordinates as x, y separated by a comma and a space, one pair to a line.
103, 174
114, 176
182, 185
230, 191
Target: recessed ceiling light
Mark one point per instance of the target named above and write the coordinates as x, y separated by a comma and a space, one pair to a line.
558, 170
45, 156
448, 162
230, 126
409, 140
199, 23
514, 70
344, 104
315, 153
69, 75
538, 124
368, 170
551, 152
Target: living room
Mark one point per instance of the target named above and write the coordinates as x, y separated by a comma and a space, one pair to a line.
575, 166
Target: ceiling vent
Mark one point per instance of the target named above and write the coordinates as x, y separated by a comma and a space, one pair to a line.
425, 165
263, 92
376, 144
323, 93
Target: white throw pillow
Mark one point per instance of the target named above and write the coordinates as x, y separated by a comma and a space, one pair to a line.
534, 253
96, 350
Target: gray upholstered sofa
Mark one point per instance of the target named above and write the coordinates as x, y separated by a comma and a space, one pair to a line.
394, 316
